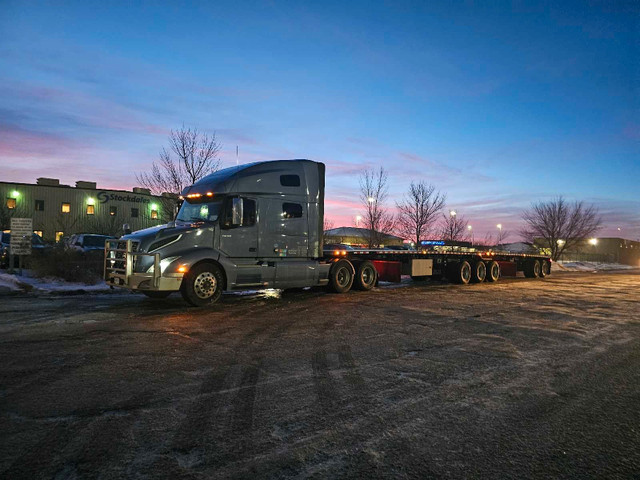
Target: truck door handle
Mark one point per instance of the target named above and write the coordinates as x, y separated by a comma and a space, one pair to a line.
252, 249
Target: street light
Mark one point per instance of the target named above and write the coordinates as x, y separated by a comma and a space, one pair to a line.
452, 213
16, 194
470, 228
499, 226
593, 241
358, 218
371, 199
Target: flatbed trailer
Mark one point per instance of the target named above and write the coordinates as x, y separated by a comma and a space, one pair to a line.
457, 267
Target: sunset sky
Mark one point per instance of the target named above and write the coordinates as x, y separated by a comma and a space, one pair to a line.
497, 106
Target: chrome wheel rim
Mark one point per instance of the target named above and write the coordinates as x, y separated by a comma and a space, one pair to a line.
494, 271
536, 269
343, 276
367, 276
466, 273
482, 271
205, 285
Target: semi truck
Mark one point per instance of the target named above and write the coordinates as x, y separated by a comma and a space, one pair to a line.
260, 226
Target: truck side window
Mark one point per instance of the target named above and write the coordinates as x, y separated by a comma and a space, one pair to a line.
248, 212
290, 180
291, 210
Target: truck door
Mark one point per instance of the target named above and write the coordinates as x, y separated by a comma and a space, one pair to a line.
239, 239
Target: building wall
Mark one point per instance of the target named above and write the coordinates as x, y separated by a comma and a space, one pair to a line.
52, 219
355, 240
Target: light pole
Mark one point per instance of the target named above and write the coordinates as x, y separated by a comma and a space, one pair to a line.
358, 218
470, 228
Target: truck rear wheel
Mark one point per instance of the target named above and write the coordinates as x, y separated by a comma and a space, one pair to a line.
478, 272
366, 276
341, 276
202, 285
460, 272
532, 269
493, 271
157, 295
545, 268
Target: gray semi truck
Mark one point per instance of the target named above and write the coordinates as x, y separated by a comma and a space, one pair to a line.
259, 226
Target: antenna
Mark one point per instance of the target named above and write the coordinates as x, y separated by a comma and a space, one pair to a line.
237, 155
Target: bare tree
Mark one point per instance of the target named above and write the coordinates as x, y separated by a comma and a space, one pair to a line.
6, 214
560, 224
453, 227
191, 156
418, 210
373, 193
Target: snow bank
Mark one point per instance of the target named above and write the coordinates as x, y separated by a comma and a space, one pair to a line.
25, 283
588, 267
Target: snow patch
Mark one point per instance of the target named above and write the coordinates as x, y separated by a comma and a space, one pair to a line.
22, 283
588, 267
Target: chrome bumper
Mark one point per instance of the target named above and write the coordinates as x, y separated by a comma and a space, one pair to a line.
119, 262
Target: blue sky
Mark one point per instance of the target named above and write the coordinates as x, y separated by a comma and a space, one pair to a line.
497, 106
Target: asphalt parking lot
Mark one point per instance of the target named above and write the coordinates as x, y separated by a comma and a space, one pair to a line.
520, 379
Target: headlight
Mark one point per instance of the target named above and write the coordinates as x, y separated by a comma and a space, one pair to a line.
164, 263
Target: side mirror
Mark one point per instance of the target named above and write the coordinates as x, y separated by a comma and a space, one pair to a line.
236, 211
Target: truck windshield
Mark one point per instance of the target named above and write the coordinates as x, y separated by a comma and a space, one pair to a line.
198, 210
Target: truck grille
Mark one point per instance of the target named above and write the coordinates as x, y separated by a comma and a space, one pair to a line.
118, 255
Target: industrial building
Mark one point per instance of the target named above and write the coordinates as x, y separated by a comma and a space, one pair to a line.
62, 210
358, 236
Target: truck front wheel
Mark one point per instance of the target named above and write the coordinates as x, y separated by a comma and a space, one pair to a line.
341, 276
202, 285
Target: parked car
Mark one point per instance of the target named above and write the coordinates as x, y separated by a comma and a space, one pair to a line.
37, 247
88, 242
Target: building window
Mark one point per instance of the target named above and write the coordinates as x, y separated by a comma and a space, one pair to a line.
134, 213
91, 209
291, 210
38, 232
11, 203
66, 207
154, 214
59, 236
113, 211
39, 205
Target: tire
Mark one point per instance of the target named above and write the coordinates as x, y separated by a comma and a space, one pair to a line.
366, 276
157, 295
493, 271
532, 269
478, 272
460, 272
202, 285
545, 268
341, 276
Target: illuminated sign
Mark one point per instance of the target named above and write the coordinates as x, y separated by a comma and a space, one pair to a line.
432, 242
105, 197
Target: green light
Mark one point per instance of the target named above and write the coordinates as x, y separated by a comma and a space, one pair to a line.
154, 206
15, 194
91, 201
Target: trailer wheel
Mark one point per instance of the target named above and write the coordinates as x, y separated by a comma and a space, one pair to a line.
545, 268
493, 271
341, 276
460, 272
478, 272
157, 295
202, 285
366, 276
532, 269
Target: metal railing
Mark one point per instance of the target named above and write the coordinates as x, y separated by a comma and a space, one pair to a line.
120, 258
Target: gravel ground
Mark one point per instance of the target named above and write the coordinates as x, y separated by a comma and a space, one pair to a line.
521, 379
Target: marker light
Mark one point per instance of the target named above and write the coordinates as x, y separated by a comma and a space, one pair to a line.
194, 195
182, 268
209, 194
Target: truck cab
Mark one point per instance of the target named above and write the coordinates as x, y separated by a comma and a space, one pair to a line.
246, 227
